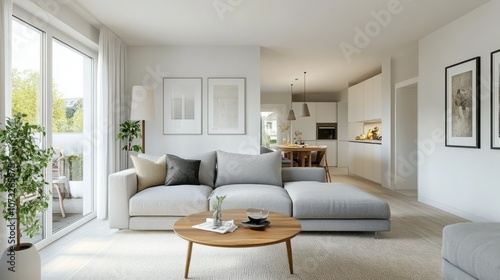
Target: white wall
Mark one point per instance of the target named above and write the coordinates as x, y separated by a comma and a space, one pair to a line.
397, 68
405, 144
284, 98
343, 95
387, 123
405, 65
148, 66
459, 180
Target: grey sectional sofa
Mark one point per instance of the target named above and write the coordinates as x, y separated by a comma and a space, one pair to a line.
471, 251
248, 181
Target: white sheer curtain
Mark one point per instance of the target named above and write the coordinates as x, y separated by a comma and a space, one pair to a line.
5, 58
111, 111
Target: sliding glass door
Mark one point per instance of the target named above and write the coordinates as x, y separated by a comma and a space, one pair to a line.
71, 114
53, 82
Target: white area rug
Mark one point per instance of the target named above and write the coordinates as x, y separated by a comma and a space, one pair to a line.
399, 254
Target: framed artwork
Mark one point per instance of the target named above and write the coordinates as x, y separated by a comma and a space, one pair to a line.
226, 105
182, 98
462, 104
495, 99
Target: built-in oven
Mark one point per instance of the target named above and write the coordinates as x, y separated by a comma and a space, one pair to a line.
326, 131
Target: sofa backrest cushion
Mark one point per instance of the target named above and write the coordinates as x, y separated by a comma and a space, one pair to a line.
248, 169
207, 168
293, 174
149, 173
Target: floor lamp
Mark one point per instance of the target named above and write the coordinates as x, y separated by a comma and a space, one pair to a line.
142, 108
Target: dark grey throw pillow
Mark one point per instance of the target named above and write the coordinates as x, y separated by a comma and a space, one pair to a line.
182, 171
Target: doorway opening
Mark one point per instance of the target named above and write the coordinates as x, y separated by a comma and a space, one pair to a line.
405, 147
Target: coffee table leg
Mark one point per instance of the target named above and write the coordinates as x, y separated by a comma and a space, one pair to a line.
188, 259
289, 252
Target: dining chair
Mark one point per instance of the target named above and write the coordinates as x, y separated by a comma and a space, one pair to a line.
59, 178
321, 161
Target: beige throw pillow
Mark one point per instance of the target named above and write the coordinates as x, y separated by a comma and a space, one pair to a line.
149, 173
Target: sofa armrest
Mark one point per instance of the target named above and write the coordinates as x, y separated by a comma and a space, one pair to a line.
291, 174
122, 186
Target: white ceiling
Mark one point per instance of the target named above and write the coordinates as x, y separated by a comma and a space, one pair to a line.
294, 35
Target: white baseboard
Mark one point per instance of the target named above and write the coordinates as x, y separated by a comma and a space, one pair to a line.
463, 214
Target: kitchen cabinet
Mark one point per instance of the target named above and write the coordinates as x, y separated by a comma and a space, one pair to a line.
377, 163
377, 97
331, 150
321, 112
352, 158
365, 100
359, 103
326, 112
351, 103
356, 155
306, 125
342, 153
365, 160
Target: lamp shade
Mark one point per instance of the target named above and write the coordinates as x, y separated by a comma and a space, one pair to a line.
291, 113
143, 103
305, 111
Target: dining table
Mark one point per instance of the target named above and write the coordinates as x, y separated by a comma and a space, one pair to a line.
303, 152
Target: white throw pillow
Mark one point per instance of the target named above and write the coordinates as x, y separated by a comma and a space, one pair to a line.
150, 173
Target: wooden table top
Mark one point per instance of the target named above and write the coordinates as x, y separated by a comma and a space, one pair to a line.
299, 148
280, 229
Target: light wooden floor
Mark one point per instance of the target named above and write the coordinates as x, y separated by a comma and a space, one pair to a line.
426, 221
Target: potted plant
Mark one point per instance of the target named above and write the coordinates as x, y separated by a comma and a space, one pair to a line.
130, 130
284, 127
217, 215
22, 164
75, 168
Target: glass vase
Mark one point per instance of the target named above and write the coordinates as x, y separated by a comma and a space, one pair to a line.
286, 139
217, 217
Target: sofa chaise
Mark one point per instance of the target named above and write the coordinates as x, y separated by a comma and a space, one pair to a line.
471, 251
140, 202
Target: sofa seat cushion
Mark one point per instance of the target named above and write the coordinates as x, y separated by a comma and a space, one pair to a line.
473, 248
243, 196
315, 200
248, 169
178, 200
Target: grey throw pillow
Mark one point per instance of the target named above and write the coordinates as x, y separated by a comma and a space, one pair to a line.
248, 169
182, 171
207, 167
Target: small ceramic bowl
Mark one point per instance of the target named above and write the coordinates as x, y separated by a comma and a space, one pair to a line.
257, 215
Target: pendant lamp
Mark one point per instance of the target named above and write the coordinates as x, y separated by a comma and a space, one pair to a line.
291, 113
305, 108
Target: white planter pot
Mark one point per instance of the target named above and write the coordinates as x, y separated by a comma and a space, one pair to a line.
76, 188
21, 265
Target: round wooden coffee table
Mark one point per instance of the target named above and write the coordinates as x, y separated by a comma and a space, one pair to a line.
281, 229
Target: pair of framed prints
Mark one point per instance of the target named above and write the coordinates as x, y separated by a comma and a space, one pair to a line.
183, 105
463, 87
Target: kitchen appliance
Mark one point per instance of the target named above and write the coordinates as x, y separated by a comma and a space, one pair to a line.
326, 131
